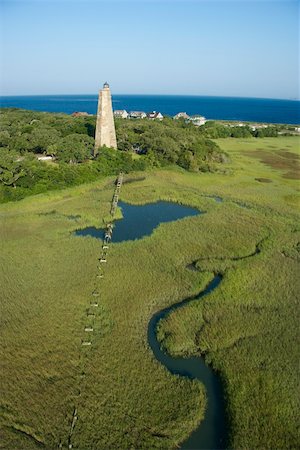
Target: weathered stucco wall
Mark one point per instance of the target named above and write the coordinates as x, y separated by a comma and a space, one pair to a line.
105, 126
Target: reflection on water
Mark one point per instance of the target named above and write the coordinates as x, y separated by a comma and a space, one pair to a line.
140, 220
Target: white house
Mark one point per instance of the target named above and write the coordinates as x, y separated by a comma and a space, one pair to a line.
121, 113
137, 115
181, 115
44, 157
197, 120
155, 115
257, 126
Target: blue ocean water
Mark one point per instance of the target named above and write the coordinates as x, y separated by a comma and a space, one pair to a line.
227, 108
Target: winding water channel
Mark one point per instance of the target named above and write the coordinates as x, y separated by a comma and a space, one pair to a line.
211, 433
138, 222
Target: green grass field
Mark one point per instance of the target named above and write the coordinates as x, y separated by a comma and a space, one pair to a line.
247, 328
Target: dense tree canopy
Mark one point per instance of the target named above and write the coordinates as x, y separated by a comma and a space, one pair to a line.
11, 168
73, 148
170, 142
69, 140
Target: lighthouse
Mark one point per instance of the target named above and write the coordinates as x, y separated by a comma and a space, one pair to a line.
105, 125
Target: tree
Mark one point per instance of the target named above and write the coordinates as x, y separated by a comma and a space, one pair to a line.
4, 138
241, 132
74, 148
11, 167
214, 130
266, 132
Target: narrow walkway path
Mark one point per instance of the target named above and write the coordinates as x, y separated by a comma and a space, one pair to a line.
91, 315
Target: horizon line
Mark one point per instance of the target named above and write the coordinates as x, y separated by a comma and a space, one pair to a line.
154, 95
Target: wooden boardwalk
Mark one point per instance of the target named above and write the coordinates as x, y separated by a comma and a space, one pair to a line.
91, 316
115, 199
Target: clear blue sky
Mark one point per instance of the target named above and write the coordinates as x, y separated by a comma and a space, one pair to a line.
230, 48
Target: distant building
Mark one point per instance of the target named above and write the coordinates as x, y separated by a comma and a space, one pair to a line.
181, 115
233, 125
80, 114
197, 120
121, 114
44, 157
137, 115
155, 115
258, 126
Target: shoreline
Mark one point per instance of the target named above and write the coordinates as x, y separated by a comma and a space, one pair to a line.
233, 122
246, 109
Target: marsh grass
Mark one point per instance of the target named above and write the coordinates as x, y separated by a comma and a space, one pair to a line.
247, 328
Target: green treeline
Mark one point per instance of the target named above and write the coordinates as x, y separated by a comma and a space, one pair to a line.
215, 130
169, 142
142, 144
24, 135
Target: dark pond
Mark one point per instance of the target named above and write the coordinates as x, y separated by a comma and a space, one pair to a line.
140, 220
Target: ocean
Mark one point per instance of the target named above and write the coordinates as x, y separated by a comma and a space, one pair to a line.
226, 108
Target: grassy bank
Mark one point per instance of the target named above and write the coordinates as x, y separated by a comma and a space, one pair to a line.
247, 327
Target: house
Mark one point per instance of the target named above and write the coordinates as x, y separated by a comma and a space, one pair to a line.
197, 120
233, 125
155, 115
41, 157
181, 115
137, 115
258, 126
121, 114
80, 114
